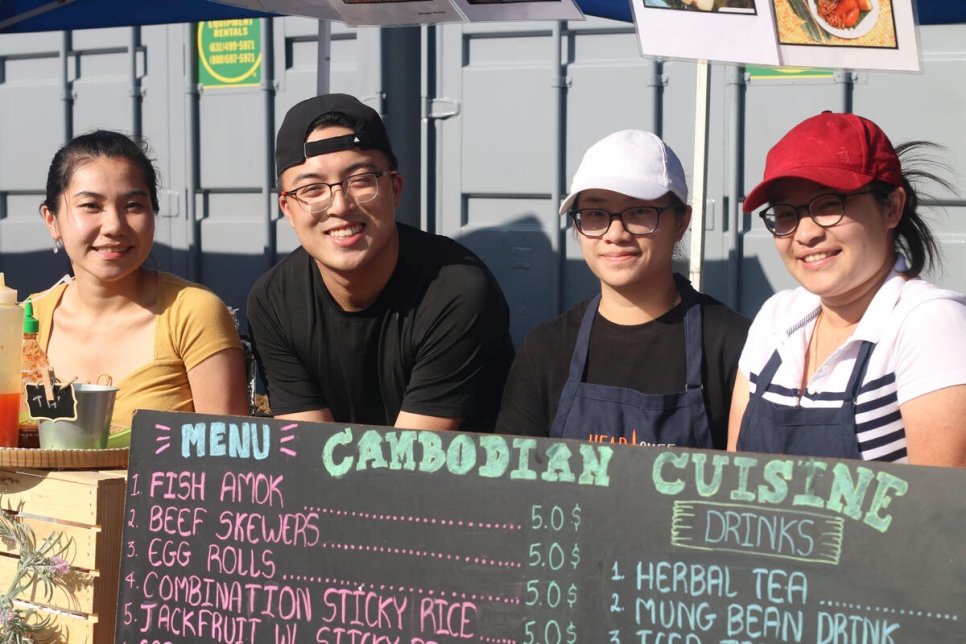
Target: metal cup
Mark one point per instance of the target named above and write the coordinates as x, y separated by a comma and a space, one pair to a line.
95, 406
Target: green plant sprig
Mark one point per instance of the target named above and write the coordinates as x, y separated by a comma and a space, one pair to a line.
42, 565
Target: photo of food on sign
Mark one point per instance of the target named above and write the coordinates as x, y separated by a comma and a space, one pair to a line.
855, 23
723, 6
845, 18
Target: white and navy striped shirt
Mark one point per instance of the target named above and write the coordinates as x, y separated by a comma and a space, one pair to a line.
920, 335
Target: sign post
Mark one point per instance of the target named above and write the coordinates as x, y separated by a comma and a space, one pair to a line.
255, 530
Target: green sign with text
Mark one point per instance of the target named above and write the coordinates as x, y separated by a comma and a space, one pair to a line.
787, 73
230, 53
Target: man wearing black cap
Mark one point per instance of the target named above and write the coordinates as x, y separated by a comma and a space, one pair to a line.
371, 321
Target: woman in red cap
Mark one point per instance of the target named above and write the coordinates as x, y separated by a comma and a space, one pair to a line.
865, 360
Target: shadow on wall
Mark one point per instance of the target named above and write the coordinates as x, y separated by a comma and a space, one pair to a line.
756, 287
34, 271
229, 275
519, 254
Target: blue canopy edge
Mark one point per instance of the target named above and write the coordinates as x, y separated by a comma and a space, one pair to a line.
89, 14
931, 12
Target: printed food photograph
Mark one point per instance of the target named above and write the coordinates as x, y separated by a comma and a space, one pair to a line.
855, 23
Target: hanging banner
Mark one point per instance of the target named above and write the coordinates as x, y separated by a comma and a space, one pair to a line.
848, 34
735, 31
828, 34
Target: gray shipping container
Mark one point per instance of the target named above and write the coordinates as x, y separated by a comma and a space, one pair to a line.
489, 121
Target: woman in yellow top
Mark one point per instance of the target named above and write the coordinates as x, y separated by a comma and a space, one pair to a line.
166, 343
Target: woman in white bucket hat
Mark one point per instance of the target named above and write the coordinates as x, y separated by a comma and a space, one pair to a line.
648, 361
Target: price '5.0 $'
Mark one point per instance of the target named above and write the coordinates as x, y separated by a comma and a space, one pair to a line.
554, 518
549, 633
555, 557
552, 595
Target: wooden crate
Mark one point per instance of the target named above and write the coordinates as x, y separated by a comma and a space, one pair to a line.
87, 506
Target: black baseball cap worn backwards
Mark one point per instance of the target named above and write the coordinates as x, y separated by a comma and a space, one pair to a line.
291, 148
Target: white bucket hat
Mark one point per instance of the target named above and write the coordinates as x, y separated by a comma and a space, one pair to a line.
634, 163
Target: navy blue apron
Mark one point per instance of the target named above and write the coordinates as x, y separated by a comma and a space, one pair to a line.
617, 414
771, 428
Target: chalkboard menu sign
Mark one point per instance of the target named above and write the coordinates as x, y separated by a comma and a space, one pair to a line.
260, 531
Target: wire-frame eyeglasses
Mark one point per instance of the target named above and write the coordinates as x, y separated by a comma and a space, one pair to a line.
316, 198
637, 220
826, 210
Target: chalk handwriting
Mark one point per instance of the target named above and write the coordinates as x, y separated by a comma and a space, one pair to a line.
243, 438
349, 607
180, 486
252, 487
847, 495
693, 580
489, 456
244, 562
198, 625
291, 529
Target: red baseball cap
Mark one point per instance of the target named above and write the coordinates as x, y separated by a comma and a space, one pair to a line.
840, 151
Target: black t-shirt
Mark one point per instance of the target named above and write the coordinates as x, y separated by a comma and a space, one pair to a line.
435, 342
648, 358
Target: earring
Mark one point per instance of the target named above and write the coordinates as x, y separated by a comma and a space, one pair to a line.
58, 244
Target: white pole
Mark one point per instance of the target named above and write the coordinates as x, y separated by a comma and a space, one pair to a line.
699, 184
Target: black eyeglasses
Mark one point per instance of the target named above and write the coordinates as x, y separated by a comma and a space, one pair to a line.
638, 220
827, 210
317, 197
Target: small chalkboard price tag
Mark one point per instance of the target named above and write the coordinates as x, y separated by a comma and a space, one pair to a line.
62, 407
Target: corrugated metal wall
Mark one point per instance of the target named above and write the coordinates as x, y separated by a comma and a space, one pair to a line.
489, 121
535, 96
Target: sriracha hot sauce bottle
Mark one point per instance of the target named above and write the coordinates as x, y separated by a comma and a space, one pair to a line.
11, 348
35, 365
